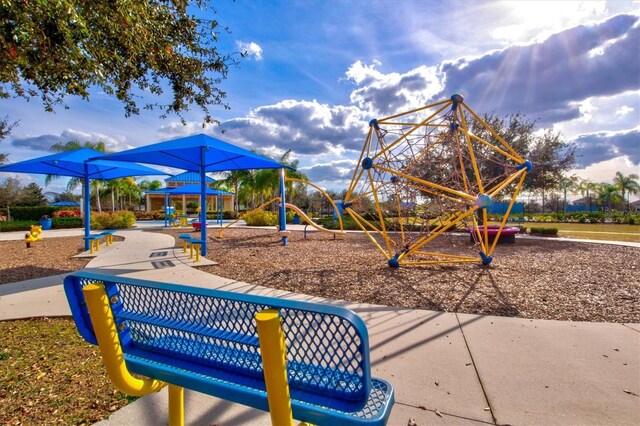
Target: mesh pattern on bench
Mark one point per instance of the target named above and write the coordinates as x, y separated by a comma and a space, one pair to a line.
325, 352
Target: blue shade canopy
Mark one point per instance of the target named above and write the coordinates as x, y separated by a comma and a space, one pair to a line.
72, 163
188, 177
65, 204
193, 152
198, 153
76, 164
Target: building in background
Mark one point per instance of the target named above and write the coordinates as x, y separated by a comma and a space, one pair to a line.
182, 202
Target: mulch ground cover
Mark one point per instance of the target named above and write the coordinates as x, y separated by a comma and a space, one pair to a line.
538, 279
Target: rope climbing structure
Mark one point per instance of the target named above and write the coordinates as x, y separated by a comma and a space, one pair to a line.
426, 172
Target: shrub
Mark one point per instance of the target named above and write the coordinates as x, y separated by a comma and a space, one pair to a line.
229, 215
290, 214
260, 218
226, 215
332, 223
152, 215
67, 213
16, 225
30, 213
544, 231
67, 222
112, 220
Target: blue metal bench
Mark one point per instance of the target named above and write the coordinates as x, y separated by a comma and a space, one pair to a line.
185, 239
206, 340
108, 236
94, 241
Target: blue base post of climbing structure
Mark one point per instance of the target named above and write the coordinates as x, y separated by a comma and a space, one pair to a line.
283, 210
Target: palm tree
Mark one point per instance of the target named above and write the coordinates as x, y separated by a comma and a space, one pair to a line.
233, 180
75, 182
567, 184
145, 185
588, 187
627, 185
609, 195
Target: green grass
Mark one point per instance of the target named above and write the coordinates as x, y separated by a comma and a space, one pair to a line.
50, 375
591, 231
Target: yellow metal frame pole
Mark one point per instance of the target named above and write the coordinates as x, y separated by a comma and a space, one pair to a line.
274, 362
176, 405
104, 326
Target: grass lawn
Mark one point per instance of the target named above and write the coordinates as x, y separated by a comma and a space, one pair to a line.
590, 231
50, 375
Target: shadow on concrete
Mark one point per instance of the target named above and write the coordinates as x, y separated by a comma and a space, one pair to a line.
31, 278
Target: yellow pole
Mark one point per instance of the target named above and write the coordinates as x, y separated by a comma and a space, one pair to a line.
176, 405
274, 361
104, 326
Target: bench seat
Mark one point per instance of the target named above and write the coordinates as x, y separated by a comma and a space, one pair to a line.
108, 234
94, 241
250, 391
206, 340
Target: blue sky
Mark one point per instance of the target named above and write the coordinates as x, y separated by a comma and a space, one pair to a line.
318, 71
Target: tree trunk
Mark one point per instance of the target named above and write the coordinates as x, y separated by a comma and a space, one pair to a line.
98, 206
113, 201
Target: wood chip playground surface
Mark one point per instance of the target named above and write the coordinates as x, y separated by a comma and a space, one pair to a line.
534, 278
538, 279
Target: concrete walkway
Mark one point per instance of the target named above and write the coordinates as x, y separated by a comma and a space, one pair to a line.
446, 368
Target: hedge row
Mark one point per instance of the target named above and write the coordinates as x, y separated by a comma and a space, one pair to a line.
580, 217
29, 213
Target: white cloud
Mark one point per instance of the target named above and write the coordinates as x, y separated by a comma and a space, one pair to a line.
176, 129
623, 111
383, 94
252, 49
44, 142
307, 127
535, 20
605, 171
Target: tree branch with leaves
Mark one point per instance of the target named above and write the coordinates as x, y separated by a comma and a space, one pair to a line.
126, 48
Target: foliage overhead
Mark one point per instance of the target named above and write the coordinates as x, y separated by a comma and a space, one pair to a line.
126, 48
5, 129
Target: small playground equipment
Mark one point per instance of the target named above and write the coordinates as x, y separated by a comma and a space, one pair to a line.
419, 176
282, 229
34, 234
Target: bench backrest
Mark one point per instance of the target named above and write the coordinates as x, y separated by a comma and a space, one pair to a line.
327, 346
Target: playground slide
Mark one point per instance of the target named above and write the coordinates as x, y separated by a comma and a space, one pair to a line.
306, 218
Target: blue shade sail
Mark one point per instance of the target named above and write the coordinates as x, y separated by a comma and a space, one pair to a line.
191, 153
76, 164
72, 164
198, 153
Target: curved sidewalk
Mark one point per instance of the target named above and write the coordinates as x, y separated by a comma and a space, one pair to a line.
446, 368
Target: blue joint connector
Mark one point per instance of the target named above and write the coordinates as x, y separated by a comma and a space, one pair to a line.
393, 262
345, 205
457, 99
394, 179
453, 127
485, 259
374, 123
526, 165
367, 163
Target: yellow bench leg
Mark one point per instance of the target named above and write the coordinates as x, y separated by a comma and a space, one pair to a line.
104, 325
184, 246
274, 360
176, 405
197, 251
